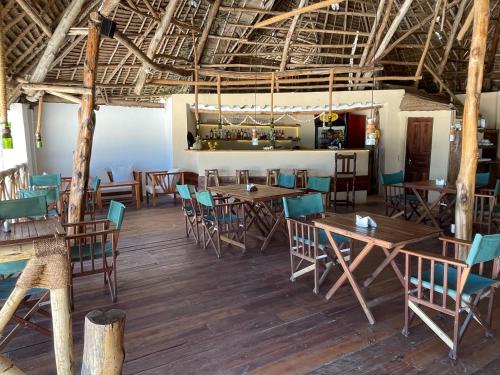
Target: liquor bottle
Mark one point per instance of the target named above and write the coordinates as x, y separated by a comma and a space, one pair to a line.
211, 135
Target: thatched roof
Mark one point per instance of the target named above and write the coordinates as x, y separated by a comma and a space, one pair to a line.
324, 38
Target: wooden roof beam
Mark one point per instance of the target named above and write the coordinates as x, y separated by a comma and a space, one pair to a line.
33, 14
451, 36
155, 42
289, 35
212, 14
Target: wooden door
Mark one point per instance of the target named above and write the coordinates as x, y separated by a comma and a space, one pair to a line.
418, 148
356, 129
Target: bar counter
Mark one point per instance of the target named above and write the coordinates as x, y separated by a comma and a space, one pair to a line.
317, 162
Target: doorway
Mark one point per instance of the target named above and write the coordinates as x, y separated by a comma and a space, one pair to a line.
418, 148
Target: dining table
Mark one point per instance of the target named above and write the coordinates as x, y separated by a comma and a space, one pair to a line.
446, 196
263, 206
389, 234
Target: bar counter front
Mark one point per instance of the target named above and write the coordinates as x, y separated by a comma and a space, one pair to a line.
318, 162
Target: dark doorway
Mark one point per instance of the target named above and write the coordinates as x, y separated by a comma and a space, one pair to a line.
418, 148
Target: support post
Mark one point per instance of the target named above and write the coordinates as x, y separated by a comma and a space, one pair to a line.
468, 162
103, 350
4, 126
86, 119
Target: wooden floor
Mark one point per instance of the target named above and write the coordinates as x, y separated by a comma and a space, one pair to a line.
190, 313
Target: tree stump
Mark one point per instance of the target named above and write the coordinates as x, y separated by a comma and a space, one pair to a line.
103, 351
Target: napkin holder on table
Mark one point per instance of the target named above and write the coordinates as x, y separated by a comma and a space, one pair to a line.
251, 187
365, 222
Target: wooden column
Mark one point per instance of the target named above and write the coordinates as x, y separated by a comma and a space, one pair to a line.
86, 120
3, 87
103, 350
468, 163
219, 101
273, 79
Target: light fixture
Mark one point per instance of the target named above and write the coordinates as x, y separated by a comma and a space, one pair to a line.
7, 143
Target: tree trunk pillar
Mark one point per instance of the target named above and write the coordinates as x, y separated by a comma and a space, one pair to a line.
466, 181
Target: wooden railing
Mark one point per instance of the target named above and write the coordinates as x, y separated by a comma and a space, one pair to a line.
13, 179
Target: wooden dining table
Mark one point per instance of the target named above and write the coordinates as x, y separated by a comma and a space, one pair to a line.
446, 197
390, 234
260, 209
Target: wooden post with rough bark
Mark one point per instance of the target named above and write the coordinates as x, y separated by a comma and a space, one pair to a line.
86, 120
468, 162
103, 350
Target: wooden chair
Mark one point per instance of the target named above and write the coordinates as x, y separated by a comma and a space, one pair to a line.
121, 174
482, 179
33, 304
451, 286
92, 247
189, 209
222, 222
162, 183
300, 178
91, 199
45, 180
52, 198
242, 176
320, 185
211, 175
272, 176
344, 172
397, 201
287, 181
487, 209
309, 244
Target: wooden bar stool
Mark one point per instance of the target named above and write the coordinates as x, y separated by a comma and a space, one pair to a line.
211, 174
300, 178
272, 176
242, 176
344, 178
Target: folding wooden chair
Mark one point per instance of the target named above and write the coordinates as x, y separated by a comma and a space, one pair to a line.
36, 299
45, 180
308, 243
487, 209
451, 286
321, 185
93, 247
91, 200
222, 222
52, 196
189, 209
397, 201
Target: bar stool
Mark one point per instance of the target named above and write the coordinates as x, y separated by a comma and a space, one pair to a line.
300, 175
242, 176
211, 174
272, 176
344, 174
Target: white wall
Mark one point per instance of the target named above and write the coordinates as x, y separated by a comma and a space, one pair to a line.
123, 136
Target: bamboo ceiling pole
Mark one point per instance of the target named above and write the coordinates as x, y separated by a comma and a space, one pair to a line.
3, 85
466, 180
38, 131
451, 35
466, 25
330, 93
103, 349
272, 96
219, 100
86, 119
427, 41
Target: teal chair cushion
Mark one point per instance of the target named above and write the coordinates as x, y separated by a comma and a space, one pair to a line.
393, 178
87, 251
26, 207
304, 205
185, 191
286, 180
115, 213
51, 194
45, 180
225, 218
7, 286
205, 198
482, 179
475, 283
323, 239
321, 184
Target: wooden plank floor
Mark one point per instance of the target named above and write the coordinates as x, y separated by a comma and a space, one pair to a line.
190, 313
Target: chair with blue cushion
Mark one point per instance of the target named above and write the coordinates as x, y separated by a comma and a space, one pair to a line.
51, 195
35, 300
287, 180
91, 199
482, 179
308, 244
397, 201
44, 180
221, 221
93, 247
191, 217
451, 286
320, 185
487, 210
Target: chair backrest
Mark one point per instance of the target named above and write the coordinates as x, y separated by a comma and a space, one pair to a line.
483, 249
393, 178
497, 189
205, 198
95, 183
286, 180
115, 213
27, 207
185, 191
303, 206
321, 184
344, 164
482, 179
9, 268
51, 194
45, 180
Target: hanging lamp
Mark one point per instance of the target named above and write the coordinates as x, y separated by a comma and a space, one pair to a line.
7, 142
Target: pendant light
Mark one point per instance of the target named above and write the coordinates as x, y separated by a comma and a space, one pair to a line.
7, 143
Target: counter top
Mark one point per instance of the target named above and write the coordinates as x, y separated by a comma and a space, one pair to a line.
281, 150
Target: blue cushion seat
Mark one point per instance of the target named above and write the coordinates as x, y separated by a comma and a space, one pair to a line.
225, 218
475, 283
86, 251
7, 286
323, 239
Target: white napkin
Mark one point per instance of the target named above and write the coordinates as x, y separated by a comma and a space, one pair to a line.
365, 222
440, 182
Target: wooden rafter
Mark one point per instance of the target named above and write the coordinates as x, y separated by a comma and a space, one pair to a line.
289, 36
212, 14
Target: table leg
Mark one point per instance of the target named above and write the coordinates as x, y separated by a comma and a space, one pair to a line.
348, 275
389, 259
137, 192
427, 209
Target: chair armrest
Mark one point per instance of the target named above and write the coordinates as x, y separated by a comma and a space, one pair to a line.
435, 257
486, 191
90, 222
91, 234
455, 240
